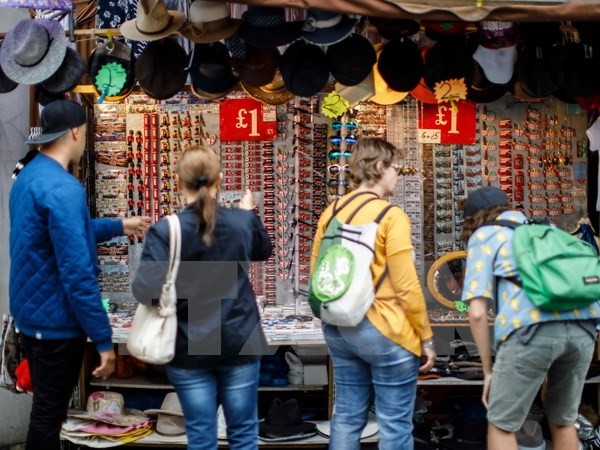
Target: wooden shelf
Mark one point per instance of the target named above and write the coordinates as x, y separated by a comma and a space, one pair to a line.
140, 382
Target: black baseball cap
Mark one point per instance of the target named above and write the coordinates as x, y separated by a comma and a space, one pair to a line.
57, 118
484, 198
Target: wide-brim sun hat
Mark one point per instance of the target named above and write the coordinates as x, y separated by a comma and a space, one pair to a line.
33, 50
326, 28
274, 93
209, 21
153, 21
161, 68
108, 407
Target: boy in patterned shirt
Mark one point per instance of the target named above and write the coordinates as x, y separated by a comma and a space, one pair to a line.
531, 344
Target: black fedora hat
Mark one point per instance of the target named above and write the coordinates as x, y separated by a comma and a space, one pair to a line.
448, 59
211, 72
68, 74
351, 60
266, 27
390, 28
111, 67
161, 68
259, 65
539, 69
581, 67
304, 70
284, 422
400, 65
326, 28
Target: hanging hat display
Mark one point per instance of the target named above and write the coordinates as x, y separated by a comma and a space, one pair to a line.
359, 92
303, 67
447, 59
161, 69
393, 29
273, 93
401, 65
68, 74
209, 21
326, 28
384, 95
497, 51
259, 65
111, 68
211, 72
482, 90
351, 60
266, 27
422, 92
6, 84
540, 70
33, 50
153, 21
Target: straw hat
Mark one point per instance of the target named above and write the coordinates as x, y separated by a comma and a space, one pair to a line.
209, 21
273, 93
153, 21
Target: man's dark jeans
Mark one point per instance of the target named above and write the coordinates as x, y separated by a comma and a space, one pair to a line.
55, 367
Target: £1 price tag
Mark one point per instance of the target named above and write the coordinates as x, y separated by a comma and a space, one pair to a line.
334, 105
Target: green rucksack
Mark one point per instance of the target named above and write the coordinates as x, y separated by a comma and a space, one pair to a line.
558, 272
341, 285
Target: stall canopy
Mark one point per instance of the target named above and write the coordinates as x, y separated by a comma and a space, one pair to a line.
467, 10
45, 5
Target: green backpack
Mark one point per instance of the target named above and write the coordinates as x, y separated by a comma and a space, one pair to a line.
341, 285
558, 272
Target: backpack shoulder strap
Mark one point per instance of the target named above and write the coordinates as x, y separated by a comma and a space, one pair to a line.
503, 223
337, 209
358, 208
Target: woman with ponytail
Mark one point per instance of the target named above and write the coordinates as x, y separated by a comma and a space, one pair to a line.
219, 337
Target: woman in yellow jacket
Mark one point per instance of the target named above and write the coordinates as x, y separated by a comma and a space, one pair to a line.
381, 355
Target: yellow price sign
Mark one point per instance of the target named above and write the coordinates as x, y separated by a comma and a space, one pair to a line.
450, 90
334, 105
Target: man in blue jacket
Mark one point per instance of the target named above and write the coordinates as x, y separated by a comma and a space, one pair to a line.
54, 294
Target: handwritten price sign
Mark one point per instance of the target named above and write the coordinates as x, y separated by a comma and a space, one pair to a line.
246, 119
334, 105
429, 136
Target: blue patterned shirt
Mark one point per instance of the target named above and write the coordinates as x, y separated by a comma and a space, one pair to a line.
489, 255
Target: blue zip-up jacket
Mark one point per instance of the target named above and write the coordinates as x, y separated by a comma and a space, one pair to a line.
53, 289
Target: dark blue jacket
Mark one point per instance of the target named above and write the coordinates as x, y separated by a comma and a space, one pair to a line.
53, 290
218, 319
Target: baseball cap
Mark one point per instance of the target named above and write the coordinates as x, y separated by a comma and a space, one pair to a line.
57, 118
483, 198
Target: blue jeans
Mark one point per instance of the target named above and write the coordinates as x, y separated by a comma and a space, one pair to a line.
201, 390
365, 363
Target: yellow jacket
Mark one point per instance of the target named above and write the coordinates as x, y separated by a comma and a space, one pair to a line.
398, 310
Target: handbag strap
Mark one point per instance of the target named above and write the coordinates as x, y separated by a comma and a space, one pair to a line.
174, 247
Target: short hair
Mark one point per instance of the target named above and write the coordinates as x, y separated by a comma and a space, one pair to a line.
366, 153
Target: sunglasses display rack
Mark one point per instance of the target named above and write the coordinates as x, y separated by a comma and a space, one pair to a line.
299, 184
401, 125
341, 139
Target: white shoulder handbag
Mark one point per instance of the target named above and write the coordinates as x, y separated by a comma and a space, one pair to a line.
154, 328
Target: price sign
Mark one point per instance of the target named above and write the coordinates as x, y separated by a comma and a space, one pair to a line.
450, 90
246, 119
456, 123
334, 105
429, 136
